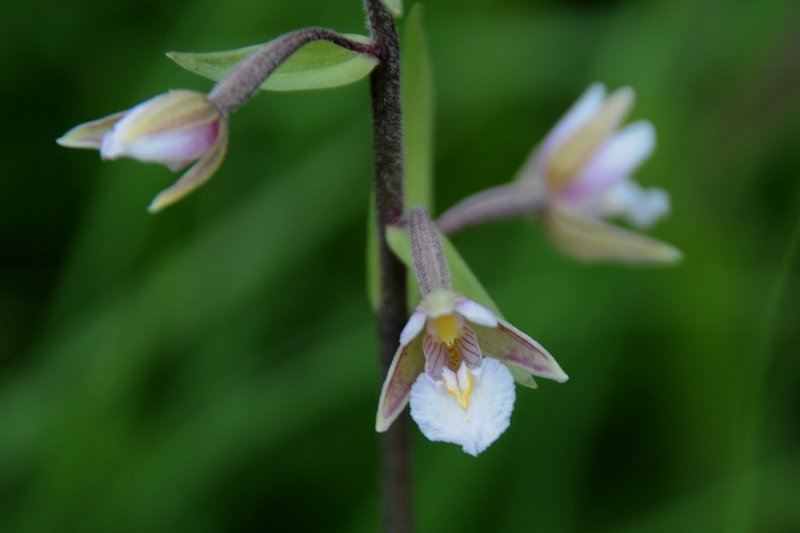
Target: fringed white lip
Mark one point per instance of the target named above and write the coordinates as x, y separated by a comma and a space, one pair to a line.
471, 407
450, 338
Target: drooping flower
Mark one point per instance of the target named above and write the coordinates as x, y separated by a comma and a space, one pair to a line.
173, 129
577, 177
586, 163
453, 357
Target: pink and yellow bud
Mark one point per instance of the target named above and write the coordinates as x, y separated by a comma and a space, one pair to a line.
173, 129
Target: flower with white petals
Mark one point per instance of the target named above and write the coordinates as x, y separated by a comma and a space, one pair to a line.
586, 163
451, 363
454, 358
173, 129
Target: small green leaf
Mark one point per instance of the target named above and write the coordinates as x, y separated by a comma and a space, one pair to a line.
317, 65
417, 94
395, 6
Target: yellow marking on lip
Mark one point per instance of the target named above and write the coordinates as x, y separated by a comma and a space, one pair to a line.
461, 395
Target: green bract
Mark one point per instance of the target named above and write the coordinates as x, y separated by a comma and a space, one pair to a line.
417, 94
317, 65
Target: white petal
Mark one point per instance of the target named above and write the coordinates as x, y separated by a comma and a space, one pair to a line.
412, 328
641, 207
476, 313
487, 416
618, 158
577, 115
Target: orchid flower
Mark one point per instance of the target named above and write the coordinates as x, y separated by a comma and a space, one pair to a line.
453, 357
586, 163
577, 177
173, 129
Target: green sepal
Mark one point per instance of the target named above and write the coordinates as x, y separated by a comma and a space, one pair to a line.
317, 65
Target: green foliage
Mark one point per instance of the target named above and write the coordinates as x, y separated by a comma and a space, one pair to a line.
418, 112
214, 368
317, 65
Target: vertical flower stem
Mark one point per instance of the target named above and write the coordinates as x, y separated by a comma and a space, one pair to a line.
392, 314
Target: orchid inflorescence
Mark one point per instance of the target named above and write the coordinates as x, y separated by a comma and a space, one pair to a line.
457, 360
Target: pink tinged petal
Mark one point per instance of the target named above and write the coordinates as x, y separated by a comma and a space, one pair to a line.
172, 148
572, 156
591, 239
468, 347
196, 176
435, 355
172, 127
413, 327
513, 347
580, 113
488, 414
618, 158
406, 366
89, 134
476, 313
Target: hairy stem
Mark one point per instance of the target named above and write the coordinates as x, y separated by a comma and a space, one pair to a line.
393, 311
248, 75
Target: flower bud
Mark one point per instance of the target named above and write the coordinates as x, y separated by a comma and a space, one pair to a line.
172, 129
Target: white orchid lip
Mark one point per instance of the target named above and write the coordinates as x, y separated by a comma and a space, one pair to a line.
470, 407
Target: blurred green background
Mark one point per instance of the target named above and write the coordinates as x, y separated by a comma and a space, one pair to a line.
213, 368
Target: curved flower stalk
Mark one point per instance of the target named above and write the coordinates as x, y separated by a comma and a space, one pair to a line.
181, 127
577, 177
453, 356
173, 129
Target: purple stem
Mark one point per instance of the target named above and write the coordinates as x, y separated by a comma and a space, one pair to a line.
393, 311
